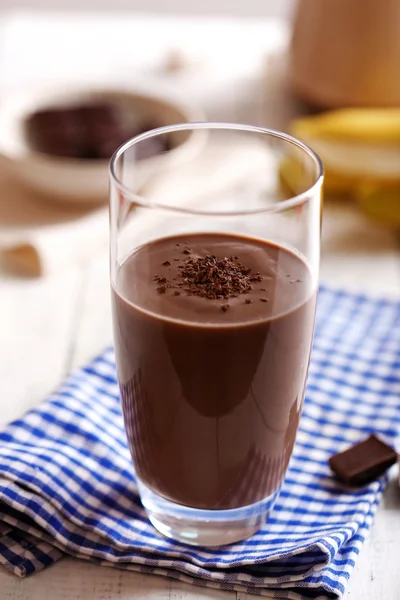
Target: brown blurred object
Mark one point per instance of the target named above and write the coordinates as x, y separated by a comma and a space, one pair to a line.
346, 53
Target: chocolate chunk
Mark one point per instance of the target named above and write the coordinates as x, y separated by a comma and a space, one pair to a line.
363, 462
89, 131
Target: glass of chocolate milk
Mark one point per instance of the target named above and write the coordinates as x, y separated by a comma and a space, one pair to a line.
214, 275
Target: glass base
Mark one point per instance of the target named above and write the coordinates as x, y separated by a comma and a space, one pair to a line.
204, 527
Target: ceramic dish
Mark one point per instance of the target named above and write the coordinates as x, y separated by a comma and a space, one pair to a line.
85, 180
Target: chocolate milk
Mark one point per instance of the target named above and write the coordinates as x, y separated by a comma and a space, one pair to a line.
212, 387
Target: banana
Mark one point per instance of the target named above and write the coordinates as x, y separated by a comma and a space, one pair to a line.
382, 204
354, 144
363, 125
360, 149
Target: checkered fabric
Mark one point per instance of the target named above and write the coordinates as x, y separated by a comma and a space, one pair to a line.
67, 484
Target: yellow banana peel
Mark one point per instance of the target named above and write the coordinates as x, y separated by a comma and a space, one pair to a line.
352, 125
382, 204
293, 179
355, 145
360, 149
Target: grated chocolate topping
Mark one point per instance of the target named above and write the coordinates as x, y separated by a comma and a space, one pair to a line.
212, 278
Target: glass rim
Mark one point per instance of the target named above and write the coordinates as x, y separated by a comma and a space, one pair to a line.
142, 201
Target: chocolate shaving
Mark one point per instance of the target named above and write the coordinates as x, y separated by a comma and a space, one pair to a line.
211, 277
166, 263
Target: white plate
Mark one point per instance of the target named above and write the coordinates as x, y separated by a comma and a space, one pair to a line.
83, 180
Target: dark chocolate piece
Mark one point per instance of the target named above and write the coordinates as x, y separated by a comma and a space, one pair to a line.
363, 462
89, 131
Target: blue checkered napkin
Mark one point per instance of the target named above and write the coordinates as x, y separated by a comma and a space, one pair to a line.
67, 486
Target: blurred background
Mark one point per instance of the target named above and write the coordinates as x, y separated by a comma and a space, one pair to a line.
252, 8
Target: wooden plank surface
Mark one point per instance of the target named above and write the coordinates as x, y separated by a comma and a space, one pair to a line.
94, 331
37, 321
78, 580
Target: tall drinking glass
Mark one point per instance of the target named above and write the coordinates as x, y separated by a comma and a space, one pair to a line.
214, 274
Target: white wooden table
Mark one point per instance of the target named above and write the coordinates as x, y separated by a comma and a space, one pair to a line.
52, 324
